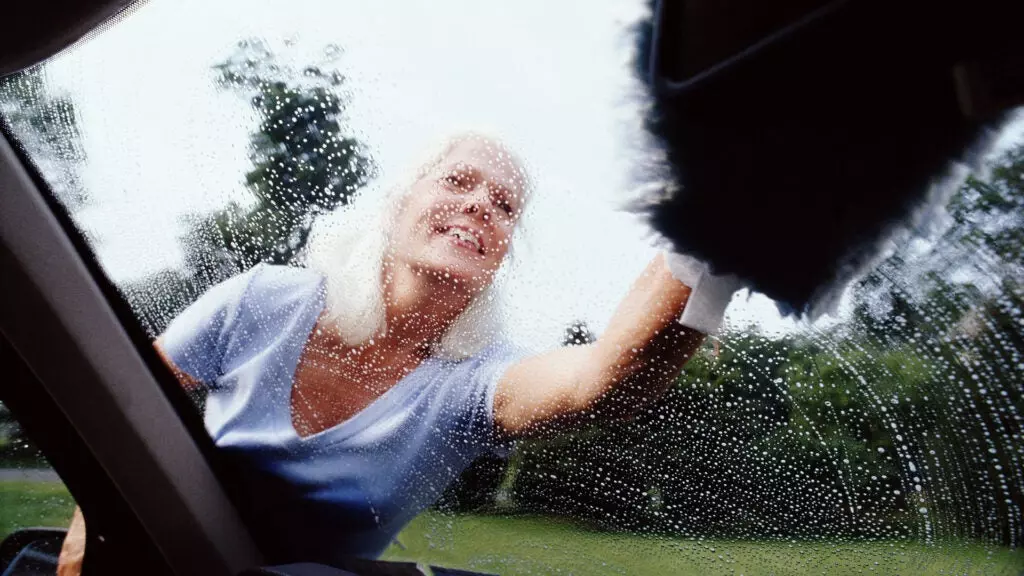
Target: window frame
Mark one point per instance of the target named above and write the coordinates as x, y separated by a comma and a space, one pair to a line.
76, 336
115, 540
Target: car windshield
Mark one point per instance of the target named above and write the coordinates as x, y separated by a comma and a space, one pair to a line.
271, 188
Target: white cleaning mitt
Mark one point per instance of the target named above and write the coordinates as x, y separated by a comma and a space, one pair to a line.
709, 294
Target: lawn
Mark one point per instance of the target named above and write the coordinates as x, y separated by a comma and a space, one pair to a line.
535, 546
523, 545
24, 504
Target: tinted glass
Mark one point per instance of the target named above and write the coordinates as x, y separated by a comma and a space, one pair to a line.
192, 144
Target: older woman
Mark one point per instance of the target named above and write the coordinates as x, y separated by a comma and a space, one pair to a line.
353, 391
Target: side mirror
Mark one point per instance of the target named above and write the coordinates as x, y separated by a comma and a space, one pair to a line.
31, 552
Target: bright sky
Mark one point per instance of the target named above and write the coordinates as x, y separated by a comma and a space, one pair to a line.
550, 78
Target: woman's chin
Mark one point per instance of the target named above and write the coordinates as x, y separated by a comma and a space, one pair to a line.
459, 274
455, 263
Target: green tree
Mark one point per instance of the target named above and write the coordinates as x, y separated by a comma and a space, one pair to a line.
988, 212
45, 123
904, 422
957, 308
577, 334
304, 163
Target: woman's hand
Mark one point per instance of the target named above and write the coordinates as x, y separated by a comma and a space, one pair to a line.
72, 551
631, 364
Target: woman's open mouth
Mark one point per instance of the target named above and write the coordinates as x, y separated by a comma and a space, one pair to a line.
463, 237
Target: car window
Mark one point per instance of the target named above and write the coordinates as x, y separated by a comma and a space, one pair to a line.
35, 507
32, 493
245, 173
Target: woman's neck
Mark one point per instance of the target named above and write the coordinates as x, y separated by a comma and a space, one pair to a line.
419, 307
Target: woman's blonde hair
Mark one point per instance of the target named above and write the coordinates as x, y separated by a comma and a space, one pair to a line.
347, 246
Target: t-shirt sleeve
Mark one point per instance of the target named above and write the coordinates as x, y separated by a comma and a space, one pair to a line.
478, 397
196, 338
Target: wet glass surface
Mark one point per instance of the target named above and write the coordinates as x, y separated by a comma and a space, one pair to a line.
885, 438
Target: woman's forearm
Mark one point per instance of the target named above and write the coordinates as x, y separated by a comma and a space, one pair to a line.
644, 347
631, 364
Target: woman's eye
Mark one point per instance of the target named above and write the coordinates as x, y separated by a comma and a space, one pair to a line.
499, 200
456, 181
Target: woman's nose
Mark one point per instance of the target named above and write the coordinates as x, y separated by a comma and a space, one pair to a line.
477, 203
477, 210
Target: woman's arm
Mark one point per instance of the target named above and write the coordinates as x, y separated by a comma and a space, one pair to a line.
630, 365
187, 382
72, 550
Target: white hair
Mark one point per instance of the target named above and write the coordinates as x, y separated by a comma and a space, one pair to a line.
347, 246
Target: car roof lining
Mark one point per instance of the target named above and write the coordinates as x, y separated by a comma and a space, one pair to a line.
37, 31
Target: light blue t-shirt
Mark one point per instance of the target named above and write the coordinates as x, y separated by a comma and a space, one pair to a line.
350, 489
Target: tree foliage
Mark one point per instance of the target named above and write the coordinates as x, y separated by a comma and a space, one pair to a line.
904, 422
45, 123
304, 163
577, 334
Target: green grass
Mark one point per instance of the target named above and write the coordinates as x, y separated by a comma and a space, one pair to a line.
25, 504
525, 545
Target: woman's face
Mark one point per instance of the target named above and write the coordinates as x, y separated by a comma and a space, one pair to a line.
457, 220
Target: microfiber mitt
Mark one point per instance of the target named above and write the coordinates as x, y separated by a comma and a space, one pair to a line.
790, 162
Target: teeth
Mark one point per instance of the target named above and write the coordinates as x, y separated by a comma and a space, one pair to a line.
465, 235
